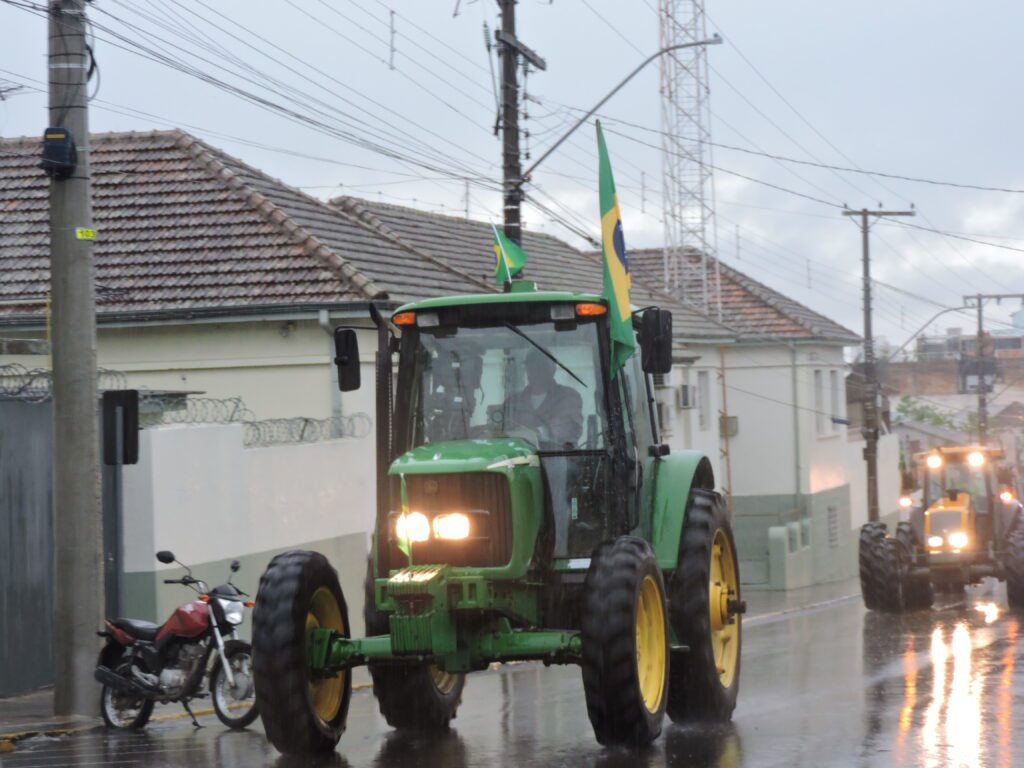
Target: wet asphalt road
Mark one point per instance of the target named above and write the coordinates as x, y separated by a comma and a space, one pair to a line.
833, 686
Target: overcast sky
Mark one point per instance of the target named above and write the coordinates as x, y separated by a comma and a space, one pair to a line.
913, 88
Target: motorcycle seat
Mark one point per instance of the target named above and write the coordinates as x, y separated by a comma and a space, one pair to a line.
140, 630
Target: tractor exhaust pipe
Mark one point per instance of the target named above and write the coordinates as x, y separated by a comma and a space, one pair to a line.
384, 433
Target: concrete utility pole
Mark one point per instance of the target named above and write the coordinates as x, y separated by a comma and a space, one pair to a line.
78, 542
870, 427
979, 300
510, 50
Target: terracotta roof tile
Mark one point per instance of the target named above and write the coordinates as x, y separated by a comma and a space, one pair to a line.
750, 307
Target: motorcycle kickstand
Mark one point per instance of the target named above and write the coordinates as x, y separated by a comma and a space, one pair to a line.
188, 709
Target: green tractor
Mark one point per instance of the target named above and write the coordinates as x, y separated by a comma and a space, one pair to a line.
526, 510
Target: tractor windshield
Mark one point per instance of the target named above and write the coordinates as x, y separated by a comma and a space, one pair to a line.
538, 381
961, 476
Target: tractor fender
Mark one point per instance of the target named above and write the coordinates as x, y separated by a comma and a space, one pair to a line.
674, 476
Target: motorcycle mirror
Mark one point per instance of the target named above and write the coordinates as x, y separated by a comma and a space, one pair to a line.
235, 565
165, 556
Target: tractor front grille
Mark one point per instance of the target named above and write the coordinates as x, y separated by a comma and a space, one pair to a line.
484, 496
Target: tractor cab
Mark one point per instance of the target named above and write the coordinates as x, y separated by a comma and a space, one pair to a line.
960, 498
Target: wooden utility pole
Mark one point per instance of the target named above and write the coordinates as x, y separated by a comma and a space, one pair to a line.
77, 529
979, 300
870, 427
510, 49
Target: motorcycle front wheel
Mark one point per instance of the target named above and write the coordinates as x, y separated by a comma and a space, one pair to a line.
124, 709
235, 705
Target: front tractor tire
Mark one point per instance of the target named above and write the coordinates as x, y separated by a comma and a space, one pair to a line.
302, 713
410, 695
624, 630
706, 613
882, 571
1014, 566
917, 590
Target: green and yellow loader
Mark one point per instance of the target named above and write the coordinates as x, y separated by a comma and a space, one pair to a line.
527, 509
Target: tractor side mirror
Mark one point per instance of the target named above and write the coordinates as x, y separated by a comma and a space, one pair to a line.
656, 341
165, 556
346, 357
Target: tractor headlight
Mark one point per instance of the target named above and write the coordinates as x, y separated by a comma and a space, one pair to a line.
454, 525
906, 502
1006, 497
233, 611
975, 458
958, 540
934, 461
413, 526
934, 541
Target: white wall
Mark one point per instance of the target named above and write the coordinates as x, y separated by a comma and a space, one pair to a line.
197, 491
279, 368
888, 478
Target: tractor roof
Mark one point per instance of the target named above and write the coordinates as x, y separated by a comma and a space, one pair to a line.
522, 291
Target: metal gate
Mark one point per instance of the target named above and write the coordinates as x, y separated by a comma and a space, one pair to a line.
26, 545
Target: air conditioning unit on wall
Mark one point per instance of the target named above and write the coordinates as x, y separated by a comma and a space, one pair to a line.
661, 381
686, 396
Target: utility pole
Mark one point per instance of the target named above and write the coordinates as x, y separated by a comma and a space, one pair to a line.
979, 300
510, 50
77, 529
870, 427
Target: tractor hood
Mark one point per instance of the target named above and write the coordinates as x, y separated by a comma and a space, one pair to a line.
466, 456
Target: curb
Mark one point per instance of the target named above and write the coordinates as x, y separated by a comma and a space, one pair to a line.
8, 740
764, 617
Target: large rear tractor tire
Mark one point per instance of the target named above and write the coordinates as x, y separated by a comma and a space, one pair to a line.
410, 695
1015, 567
872, 582
917, 590
706, 613
302, 714
624, 628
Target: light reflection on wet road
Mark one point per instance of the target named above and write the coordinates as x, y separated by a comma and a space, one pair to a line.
835, 686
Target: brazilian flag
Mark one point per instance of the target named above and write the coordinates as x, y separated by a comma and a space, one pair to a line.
402, 531
510, 257
616, 266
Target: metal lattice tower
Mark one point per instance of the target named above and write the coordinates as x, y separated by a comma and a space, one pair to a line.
687, 181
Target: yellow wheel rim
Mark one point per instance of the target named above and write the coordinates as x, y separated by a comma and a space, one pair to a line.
651, 653
443, 681
724, 586
326, 692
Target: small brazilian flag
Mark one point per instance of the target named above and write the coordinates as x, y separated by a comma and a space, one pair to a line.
510, 257
616, 266
402, 531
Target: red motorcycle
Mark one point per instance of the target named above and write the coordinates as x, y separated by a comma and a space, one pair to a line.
143, 663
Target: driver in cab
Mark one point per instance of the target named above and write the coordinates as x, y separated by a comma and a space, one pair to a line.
553, 409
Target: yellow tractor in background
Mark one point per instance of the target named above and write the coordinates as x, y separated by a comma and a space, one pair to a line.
964, 525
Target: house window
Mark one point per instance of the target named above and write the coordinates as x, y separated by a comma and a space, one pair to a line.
833, 396
820, 418
703, 401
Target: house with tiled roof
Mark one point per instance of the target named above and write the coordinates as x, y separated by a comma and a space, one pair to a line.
214, 277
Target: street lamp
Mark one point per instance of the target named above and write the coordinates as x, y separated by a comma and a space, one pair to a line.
715, 40
920, 330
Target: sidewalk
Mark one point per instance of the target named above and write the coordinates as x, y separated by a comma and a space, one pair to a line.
31, 713
765, 605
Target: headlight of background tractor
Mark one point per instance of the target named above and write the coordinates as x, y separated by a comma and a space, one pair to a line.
958, 540
233, 611
906, 502
934, 541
